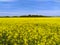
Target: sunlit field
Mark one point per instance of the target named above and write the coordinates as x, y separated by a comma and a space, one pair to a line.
29, 31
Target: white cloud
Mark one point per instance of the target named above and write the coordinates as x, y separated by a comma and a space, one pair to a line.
46, 0
42, 0
7, 0
49, 12
56, 0
39, 12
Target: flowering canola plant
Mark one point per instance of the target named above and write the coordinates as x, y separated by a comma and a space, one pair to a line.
29, 31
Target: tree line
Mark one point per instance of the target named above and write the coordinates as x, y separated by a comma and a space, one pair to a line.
25, 16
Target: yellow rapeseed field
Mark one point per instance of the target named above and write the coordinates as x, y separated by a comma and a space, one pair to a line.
29, 31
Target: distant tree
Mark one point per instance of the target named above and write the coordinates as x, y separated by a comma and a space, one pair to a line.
14, 16
29, 15
6, 16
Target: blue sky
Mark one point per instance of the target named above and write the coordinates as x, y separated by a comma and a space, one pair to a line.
25, 7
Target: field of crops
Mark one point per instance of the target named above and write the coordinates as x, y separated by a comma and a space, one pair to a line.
29, 31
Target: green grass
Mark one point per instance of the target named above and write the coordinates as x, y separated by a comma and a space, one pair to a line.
29, 31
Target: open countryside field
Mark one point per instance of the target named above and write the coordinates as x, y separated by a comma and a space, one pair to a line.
29, 31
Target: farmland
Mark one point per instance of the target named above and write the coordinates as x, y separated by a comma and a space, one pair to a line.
29, 31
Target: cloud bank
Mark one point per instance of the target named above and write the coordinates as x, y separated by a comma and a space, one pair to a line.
46, 0
7, 0
49, 12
